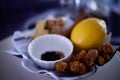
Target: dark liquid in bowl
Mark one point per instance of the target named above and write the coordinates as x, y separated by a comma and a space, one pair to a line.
52, 55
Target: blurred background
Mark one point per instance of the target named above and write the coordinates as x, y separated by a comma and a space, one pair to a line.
15, 13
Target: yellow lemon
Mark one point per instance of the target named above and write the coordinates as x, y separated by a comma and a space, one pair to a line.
89, 33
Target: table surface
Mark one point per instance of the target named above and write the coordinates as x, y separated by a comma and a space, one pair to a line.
11, 69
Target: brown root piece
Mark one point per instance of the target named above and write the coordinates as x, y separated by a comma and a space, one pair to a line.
90, 57
78, 56
61, 66
105, 54
100, 61
74, 67
77, 68
55, 26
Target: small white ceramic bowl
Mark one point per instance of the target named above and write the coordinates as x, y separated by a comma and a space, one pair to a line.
49, 42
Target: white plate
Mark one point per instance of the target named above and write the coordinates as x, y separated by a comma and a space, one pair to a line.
109, 71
